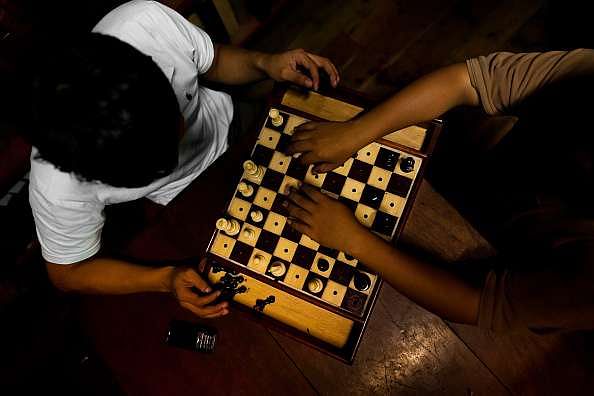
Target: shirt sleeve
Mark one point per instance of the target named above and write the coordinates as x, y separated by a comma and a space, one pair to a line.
548, 295
503, 79
68, 232
157, 30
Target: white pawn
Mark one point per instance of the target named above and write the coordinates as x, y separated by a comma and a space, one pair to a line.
248, 233
315, 285
278, 269
253, 172
230, 227
257, 216
245, 189
275, 117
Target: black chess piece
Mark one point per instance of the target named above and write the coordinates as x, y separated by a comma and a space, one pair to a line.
323, 264
361, 281
407, 164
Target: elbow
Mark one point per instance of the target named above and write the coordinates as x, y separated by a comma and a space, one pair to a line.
60, 275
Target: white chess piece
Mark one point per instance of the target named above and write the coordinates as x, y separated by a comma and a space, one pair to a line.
254, 173
230, 227
257, 216
275, 117
258, 259
315, 285
248, 233
245, 189
278, 269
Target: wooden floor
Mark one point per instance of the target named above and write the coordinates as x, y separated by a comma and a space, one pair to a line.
379, 46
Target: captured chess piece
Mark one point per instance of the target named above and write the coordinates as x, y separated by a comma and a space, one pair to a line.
245, 189
275, 117
254, 173
230, 226
277, 269
256, 216
407, 164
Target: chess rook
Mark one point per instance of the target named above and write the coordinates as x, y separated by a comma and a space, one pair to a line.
275, 117
230, 227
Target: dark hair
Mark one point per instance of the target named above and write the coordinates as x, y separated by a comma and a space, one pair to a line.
105, 112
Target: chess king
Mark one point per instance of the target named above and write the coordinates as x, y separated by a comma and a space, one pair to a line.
121, 114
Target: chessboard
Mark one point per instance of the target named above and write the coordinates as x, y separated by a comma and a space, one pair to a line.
255, 242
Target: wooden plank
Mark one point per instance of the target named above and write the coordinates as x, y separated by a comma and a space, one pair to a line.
531, 364
129, 332
405, 351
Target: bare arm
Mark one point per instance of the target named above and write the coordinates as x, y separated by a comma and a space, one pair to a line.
110, 276
331, 223
234, 65
425, 99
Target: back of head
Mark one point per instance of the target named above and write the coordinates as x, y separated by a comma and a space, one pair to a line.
105, 112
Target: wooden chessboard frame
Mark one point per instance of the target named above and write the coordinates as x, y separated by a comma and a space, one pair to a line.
424, 150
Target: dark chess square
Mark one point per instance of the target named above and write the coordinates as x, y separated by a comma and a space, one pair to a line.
333, 183
241, 253
399, 185
354, 301
360, 171
372, 196
277, 205
259, 224
290, 233
267, 241
384, 223
387, 159
283, 143
304, 256
296, 169
262, 155
342, 273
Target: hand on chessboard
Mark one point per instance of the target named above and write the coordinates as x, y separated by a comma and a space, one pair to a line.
326, 144
183, 283
288, 66
323, 219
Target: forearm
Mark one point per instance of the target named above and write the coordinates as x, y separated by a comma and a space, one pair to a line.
429, 286
233, 66
110, 276
425, 99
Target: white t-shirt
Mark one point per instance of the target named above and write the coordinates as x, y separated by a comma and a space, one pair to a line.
69, 213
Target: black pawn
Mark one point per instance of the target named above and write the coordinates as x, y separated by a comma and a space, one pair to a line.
407, 164
361, 281
323, 264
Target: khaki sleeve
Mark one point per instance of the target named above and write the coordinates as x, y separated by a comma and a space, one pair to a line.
503, 79
550, 294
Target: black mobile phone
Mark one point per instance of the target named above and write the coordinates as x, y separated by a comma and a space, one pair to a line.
191, 336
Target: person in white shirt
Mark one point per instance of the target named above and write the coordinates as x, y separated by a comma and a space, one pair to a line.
120, 115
